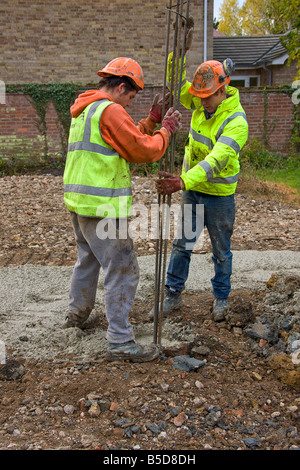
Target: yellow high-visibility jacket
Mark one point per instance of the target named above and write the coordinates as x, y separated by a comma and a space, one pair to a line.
97, 180
211, 159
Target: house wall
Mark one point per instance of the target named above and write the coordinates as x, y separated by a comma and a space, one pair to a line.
70, 40
280, 74
270, 116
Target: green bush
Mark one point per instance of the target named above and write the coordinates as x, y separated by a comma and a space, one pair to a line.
271, 166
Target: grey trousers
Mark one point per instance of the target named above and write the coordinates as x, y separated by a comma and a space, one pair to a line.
118, 260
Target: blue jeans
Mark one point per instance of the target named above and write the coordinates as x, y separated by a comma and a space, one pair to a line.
217, 214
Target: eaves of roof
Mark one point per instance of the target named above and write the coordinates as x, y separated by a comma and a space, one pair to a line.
248, 51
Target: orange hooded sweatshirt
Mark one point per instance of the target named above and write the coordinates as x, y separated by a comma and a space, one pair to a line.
137, 144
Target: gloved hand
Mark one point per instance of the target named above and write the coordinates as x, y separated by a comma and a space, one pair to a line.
155, 112
171, 121
169, 184
188, 31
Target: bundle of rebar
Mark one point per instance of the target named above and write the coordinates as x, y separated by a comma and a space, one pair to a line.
177, 24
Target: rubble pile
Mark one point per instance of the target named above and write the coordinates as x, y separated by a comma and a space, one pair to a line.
275, 333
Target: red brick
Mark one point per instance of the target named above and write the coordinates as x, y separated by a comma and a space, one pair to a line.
20, 118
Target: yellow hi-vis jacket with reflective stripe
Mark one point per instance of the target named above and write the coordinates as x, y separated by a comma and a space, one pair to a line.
97, 179
211, 159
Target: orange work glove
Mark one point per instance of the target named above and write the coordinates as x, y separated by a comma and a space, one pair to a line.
169, 184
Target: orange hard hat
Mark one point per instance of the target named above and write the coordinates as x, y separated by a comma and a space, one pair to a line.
124, 66
210, 76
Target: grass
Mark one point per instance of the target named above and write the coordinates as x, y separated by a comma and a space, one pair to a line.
21, 163
251, 185
270, 173
287, 176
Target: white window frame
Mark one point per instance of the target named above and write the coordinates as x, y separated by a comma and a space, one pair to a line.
246, 79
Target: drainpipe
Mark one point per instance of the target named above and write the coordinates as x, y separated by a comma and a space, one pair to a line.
205, 32
270, 73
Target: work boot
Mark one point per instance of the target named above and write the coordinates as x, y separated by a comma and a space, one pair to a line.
132, 352
172, 302
71, 323
219, 308
84, 324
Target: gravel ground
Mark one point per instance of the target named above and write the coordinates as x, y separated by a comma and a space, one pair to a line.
225, 386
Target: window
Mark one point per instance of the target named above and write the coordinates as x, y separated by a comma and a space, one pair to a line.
245, 80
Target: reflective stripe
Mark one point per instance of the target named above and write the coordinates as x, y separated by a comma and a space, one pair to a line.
91, 147
228, 180
220, 180
202, 139
230, 142
85, 144
207, 168
88, 123
230, 118
94, 191
186, 165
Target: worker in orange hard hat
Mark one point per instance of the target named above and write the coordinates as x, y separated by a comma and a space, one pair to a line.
208, 178
125, 67
210, 77
103, 141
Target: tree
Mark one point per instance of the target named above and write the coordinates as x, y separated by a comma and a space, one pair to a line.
250, 19
254, 19
284, 16
230, 22
285, 20
260, 17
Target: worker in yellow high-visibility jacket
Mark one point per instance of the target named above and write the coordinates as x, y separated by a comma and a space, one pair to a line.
103, 141
209, 177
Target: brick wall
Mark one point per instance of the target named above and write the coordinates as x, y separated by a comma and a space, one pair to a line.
269, 115
70, 40
281, 75
18, 131
277, 75
19, 134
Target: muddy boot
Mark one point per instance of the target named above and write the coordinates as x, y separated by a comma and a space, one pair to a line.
132, 352
71, 323
172, 302
219, 309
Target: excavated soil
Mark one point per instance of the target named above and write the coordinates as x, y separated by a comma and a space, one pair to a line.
215, 386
